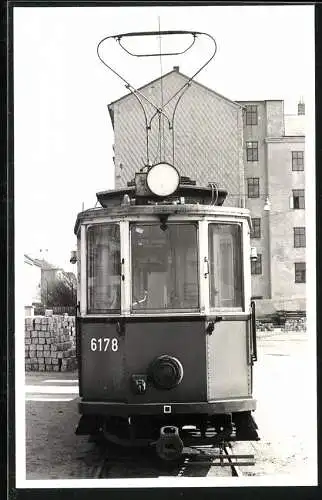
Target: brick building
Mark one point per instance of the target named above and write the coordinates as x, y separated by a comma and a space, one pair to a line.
252, 149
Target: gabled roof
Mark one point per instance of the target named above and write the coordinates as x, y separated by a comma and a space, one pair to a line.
174, 71
46, 266
31, 261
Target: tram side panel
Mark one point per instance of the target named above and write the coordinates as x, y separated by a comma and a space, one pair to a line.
229, 370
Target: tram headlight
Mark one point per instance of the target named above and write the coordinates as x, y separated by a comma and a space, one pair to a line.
163, 179
166, 372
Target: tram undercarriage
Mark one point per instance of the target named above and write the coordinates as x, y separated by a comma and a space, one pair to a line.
169, 434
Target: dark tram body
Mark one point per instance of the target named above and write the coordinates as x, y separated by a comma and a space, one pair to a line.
166, 337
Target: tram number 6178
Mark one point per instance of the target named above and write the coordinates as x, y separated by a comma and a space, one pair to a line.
103, 344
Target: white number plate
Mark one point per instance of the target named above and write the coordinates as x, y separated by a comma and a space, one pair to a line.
104, 344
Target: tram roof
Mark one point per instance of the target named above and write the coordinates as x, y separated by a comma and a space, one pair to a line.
191, 210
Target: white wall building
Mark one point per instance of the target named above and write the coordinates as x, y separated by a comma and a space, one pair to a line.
32, 282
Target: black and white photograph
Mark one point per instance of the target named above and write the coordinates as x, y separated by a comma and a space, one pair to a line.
164, 204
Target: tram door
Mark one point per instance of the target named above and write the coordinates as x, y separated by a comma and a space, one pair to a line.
227, 348
102, 344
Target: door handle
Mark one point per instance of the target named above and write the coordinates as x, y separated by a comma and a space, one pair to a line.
253, 328
206, 267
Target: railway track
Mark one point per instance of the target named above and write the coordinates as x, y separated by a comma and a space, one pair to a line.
220, 460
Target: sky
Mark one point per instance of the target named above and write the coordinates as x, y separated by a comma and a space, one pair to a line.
62, 130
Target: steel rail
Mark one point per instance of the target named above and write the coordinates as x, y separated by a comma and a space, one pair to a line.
236, 472
224, 459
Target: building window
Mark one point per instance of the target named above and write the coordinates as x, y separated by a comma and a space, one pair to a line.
256, 265
256, 231
298, 199
252, 151
299, 237
253, 187
251, 114
300, 272
297, 160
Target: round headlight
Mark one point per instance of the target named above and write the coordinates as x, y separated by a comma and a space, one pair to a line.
166, 372
163, 179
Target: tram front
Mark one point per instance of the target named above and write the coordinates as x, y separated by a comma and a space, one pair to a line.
165, 328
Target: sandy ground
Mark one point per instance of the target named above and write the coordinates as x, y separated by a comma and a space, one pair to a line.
284, 386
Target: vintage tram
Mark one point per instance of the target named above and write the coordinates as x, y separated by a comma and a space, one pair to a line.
166, 337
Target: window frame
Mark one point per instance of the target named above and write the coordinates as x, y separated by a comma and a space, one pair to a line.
299, 197
296, 166
240, 308
251, 184
299, 271
202, 228
251, 111
259, 227
252, 151
163, 311
91, 311
298, 235
254, 264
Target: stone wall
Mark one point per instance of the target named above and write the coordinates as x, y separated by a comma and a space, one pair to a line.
294, 325
265, 307
50, 343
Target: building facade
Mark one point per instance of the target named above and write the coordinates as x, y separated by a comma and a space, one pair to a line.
274, 159
249, 148
32, 282
207, 132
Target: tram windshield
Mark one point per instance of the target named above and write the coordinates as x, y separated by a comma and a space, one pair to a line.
225, 259
164, 267
103, 268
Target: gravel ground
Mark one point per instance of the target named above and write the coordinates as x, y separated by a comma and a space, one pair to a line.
53, 449
283, 386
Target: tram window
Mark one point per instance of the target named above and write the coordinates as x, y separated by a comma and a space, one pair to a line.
225, 259
164, 267
103, 268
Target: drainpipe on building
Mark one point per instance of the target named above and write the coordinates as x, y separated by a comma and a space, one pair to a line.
267, 208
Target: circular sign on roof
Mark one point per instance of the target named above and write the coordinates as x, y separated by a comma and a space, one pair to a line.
163, 179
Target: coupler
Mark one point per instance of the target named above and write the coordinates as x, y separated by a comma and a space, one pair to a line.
169, 446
